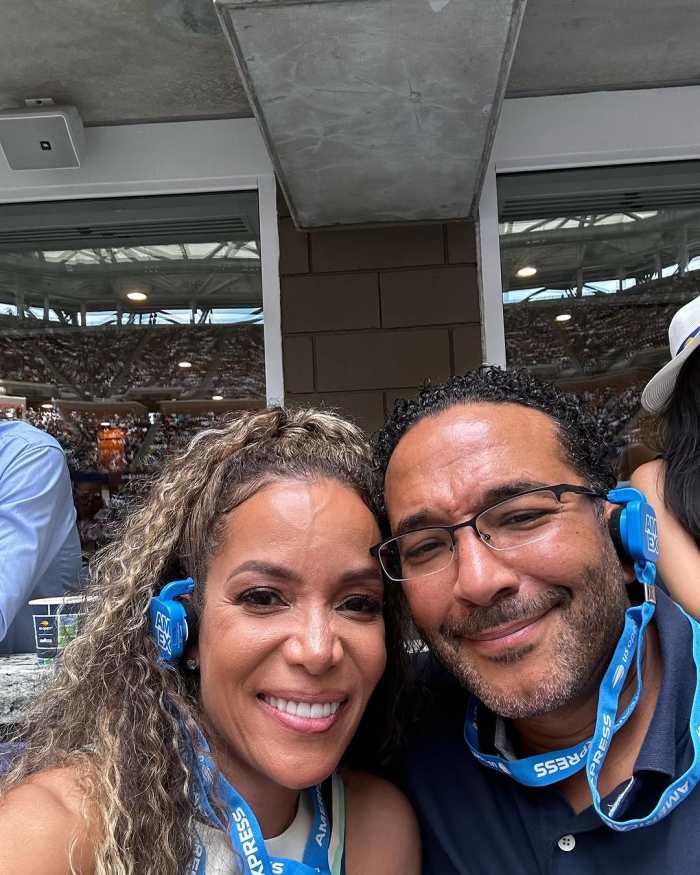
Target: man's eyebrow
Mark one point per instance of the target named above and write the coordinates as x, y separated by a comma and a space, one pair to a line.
424, 517
508, 490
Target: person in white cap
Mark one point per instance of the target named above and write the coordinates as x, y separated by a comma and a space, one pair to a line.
672, 482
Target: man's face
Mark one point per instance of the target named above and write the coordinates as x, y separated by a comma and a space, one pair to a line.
527, 630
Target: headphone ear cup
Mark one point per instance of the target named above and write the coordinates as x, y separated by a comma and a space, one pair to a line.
614, 524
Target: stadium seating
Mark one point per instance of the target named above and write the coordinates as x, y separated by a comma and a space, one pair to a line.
108, 362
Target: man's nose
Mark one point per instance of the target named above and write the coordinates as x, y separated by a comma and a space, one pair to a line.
314, 645
482, 575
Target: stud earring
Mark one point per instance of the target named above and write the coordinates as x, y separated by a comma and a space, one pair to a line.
192, 664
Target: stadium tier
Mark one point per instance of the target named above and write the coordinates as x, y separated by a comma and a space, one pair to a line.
108, 362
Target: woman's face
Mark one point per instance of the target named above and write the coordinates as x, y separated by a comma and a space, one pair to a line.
291, 638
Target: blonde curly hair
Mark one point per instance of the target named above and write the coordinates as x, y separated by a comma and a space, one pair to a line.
113, 710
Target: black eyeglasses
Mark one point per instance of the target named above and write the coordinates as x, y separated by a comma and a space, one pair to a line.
523, 519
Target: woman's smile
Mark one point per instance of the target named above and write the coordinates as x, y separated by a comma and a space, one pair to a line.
303, 713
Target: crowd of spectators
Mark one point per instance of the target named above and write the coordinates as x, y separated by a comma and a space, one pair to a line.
241, 363
106, 362
19, 360
618, 412
603, 331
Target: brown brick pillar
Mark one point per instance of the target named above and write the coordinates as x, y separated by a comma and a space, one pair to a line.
369, 314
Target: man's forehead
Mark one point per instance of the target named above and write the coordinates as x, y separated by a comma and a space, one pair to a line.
472, 446
482, 425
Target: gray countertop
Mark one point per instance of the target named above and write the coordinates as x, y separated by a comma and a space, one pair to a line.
21, 677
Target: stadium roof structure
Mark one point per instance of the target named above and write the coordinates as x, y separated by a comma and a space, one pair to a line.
182, 252
583, 228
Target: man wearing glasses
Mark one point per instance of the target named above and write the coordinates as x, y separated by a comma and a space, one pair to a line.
561, 731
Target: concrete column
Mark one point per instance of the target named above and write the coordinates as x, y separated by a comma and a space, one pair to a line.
83, 315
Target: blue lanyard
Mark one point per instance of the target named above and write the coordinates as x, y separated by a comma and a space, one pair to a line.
542, 770
244, 830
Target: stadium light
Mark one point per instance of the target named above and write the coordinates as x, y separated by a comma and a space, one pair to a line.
562, 317
184, 364
137, 296
525, 272
47, 406
105, 424
217, 397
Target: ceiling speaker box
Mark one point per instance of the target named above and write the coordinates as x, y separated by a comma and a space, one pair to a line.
48, 138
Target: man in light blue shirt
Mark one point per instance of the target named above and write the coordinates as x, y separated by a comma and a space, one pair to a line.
39, 543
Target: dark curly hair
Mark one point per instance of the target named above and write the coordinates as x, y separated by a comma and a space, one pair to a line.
580, 435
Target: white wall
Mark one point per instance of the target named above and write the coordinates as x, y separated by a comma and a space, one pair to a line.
167, 158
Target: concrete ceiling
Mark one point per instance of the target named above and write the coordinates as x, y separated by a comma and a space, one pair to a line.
375, 111
598, 45
119, 60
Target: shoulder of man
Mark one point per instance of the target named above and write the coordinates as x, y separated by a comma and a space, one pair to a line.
17, 436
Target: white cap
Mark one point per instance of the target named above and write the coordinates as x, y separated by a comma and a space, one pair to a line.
684, 339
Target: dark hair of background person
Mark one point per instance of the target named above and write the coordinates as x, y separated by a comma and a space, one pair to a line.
581, 438
113, 710
680, 434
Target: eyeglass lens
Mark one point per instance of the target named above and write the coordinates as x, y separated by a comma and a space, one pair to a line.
516, 522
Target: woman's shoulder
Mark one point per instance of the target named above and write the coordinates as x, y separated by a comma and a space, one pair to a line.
381, 828
649, 478
43, 823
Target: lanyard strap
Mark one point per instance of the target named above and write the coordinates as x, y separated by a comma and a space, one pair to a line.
555, 766
244, 830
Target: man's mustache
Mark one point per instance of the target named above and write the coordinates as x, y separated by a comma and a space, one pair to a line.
510, 609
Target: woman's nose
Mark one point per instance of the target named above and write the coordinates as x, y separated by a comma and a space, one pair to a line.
315, 645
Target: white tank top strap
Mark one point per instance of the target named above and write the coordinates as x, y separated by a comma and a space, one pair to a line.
336, 850
291, 843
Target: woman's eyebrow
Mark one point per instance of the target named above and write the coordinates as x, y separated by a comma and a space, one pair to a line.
367, 573
269, 569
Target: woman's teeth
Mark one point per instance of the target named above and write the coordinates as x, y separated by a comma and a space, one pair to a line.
302, 709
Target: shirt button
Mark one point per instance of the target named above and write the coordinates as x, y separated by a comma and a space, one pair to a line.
567, 843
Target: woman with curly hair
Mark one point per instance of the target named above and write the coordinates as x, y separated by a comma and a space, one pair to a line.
226, 759
672, 482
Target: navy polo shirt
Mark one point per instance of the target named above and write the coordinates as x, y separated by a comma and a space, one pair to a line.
478, 821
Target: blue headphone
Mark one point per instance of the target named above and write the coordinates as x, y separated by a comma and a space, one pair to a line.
169, 626
634, 531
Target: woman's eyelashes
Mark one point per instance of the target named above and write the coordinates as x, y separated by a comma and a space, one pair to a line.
263, 598
362, 604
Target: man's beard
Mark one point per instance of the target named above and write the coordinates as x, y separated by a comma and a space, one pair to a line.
591, 623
